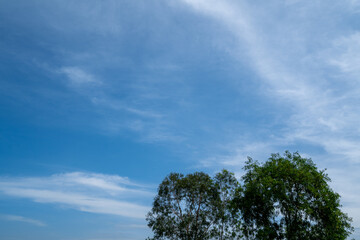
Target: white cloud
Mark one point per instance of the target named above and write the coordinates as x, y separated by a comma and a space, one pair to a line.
265, 60
118, 113
120, 106
89, 192
318, 112
323, 106
346, 54
22, 219
78, 76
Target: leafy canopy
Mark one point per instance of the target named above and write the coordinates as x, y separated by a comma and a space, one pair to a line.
289, 198
285, 198
194, 206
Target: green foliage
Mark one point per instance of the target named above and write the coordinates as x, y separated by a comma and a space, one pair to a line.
183, 207
285, 198
289, 198
194, 207
227, 225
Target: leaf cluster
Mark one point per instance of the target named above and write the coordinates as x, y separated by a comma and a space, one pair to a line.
194, 206
286, 197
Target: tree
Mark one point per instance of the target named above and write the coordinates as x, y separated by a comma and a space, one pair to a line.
289, 198
195, 207
228, 223
183, 207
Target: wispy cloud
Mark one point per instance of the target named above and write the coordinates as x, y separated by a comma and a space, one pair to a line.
88, 192
306, 69
345, 54
119, 113
313, 78
78, 76
22, 219
323, 115
121, 106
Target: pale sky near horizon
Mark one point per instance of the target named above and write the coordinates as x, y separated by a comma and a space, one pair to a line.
100, 100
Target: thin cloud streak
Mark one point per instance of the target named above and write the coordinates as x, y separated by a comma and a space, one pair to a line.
322, 117
88, 192
81, 202
78, 76
238, 21
122, 114
22, 219
321, 95
346, 54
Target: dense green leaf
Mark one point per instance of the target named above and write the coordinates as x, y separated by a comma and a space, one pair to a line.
285, 198
289, 198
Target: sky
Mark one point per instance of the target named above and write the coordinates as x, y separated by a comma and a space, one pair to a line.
100, 100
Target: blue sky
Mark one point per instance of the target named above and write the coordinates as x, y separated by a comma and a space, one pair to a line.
100, 100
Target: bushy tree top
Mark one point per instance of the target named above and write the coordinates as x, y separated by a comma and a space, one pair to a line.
287, 197
284, 198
